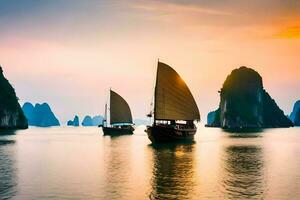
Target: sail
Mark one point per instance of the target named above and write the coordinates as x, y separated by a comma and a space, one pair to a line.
173, 99
119, 109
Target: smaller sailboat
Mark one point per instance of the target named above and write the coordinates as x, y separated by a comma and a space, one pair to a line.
175, 108
120, 119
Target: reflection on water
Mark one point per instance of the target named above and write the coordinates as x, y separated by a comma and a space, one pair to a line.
173, 171
244, 133
79, 163
8, 180
118, 168
243, 175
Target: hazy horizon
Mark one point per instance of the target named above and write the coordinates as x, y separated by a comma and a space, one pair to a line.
69, 53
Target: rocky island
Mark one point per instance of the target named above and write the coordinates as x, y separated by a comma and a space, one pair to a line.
92, 121
97, 120
294, 116
244, 103
87, 121
297, 118
210, 118
40, 115
74, 122
11, 114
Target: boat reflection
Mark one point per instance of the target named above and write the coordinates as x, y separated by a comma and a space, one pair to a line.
117, 172
7, 132
173, 172
243, 173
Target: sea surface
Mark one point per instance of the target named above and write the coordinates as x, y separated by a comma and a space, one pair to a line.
80, 163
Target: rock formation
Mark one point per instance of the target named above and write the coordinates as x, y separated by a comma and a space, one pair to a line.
297, 118
97, 120
210, 118
11, 114
245, 104
74, 122
295, 110
40, 115
273, 116
92, 121
87, 121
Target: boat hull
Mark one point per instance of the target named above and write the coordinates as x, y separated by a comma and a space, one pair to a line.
159, 134
113, 131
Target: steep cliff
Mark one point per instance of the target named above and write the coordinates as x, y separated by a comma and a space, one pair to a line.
245, 104
11, 114
273, 116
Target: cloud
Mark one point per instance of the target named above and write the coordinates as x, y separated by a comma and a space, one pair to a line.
184, 14
266, 19
168, 7
219, 13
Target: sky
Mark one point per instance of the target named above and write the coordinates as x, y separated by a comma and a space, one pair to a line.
68, 53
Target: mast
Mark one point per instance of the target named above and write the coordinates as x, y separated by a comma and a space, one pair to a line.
105, 122
155, 93
105, 114
110, 104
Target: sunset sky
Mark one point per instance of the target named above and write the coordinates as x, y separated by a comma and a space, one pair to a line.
70, 52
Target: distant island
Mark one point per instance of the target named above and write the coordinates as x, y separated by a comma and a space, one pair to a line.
11, 114
211, 117
297, 118
74, 122
40, 115
97, 120
244, 103
87, 121
295, 115
141, 122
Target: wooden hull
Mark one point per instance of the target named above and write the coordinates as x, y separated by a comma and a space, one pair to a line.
158, 134
113, 131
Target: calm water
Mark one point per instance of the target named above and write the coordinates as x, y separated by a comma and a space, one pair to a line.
79, 163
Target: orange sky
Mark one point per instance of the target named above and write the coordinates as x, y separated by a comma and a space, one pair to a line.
69, 53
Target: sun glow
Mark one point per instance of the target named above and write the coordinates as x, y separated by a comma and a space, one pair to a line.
289, 33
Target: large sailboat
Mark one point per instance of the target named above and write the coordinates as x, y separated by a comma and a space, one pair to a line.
175, 108
120, 118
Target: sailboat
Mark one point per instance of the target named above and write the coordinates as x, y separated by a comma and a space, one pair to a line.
175, 108
120, 119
